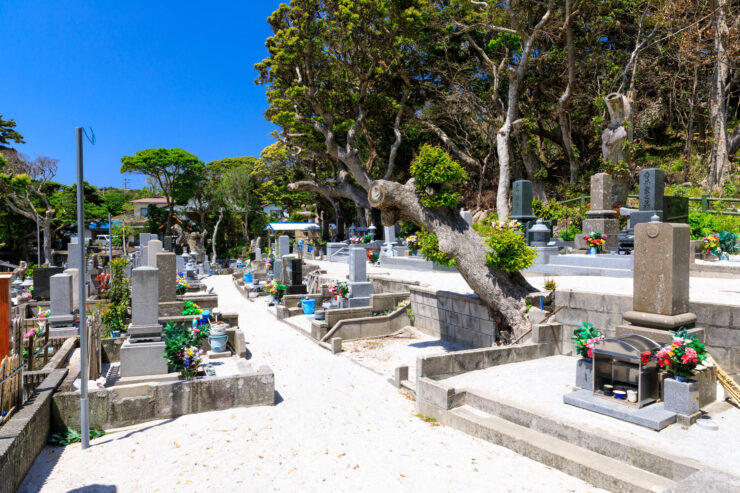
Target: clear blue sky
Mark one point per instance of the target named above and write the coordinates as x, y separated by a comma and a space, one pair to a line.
141, 73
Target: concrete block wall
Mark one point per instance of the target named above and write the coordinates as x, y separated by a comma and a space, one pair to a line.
385, 284
451, 316
722, 322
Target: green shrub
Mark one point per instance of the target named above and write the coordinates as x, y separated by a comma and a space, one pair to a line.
436, 172
429, 246
508, 251
703, 224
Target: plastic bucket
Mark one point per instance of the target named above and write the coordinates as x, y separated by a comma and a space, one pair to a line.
248, 277
308, 306
218, 343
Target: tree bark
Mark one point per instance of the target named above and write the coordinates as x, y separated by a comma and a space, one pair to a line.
719, 161
502, 292
531, 166
215, 234
565, 98
46, 226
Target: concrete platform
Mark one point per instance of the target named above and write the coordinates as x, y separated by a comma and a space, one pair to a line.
652, 416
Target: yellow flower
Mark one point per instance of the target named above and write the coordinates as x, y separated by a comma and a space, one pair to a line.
190, 352
671, 354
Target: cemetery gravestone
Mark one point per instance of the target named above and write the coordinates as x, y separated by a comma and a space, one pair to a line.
389, 232
142, 353
41, 276
652, 184
153, 248
601, 217
73, 255
360, 288
75, 283
295, 270
277, 270
167, 276
283, 246
521, 204
61, 299
661, 282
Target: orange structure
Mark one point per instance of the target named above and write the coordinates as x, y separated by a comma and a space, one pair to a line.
4, 315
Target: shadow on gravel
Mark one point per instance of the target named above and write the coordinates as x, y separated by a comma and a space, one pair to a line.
95, 488
278, 398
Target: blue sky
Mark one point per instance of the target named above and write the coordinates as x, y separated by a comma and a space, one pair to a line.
141, 73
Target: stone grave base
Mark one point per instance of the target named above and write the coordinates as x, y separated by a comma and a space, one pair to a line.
236, 384
68, 331
142, 358
661, 336
653, 416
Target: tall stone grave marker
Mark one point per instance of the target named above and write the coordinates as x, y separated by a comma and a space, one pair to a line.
142, 354
652, 187
360, 289
283, 246
73, 255
295, 277
75, 273
601, 217
153, 248
661, 282
41, 283
61, 299
167, 276
389, 233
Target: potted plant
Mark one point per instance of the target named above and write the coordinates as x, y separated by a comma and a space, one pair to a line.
681, 357
585, 336
596, 242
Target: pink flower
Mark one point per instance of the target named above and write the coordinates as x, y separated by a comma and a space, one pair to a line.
590, 353
689, 356
29, 333
195, 331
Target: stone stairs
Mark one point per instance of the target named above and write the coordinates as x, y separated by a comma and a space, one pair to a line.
603, 460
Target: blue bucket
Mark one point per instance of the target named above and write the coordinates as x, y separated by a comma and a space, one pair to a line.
308, 306
248, 277
210, 272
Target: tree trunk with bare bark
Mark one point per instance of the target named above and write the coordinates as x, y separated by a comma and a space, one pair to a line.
215, 233
719, 161
502, 292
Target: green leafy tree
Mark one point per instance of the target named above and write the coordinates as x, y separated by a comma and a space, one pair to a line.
175, 171
9, 134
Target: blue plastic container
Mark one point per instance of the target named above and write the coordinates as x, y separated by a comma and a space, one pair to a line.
205, 314
210, 272
308, 306
218, 343
248, 277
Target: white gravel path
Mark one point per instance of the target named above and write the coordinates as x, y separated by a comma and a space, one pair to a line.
338, 427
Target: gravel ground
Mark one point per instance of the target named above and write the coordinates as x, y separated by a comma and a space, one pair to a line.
337, 427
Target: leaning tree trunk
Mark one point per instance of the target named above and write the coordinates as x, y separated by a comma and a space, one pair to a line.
719, 160
215, 234
503, 149
503, 293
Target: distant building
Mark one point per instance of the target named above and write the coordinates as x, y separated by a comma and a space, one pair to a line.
142, 206
275, 210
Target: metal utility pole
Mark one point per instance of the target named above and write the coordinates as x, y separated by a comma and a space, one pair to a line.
110, 239
38, 241
85, 367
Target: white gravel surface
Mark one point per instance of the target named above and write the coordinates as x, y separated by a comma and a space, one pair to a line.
337, 427
721, 291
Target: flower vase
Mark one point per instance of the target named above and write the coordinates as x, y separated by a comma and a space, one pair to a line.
680, 378
585, 374
593, 250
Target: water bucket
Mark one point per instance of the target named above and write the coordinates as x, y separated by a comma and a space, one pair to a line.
308, 306
218, 343
248, 277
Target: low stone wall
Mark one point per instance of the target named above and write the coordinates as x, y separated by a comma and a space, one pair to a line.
460, 318
23, 437
722, 322
360, 328
127, 405
385, 284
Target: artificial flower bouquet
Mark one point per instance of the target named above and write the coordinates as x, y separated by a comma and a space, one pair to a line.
182, 346
372, 256
366, 239
338, 289
269, 261
585, 336
712, 245
596, 239
182, 285
682, 355
276, 289
354, 240
512, 225
413, 243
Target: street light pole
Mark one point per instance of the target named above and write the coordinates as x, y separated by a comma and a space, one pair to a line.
84, 423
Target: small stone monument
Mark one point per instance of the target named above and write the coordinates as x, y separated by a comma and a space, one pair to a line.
41, 281
73, 254
142, 353
62, 307
389, 232
153, 248
601, 217
360, 289
652, 186
521, 203
660, 299
277, 270
283, 246
75, 273
167, 276
295, 277
468, 216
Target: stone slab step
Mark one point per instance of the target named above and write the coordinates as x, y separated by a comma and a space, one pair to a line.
653, 416
594, 468
578, 270
605, 261
661, 462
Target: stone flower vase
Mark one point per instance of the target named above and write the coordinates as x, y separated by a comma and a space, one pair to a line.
681, 397
585, 374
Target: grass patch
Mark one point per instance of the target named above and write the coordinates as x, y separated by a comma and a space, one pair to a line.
425, 418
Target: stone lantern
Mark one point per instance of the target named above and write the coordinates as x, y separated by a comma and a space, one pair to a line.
540, 234
352, 230
372, 231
